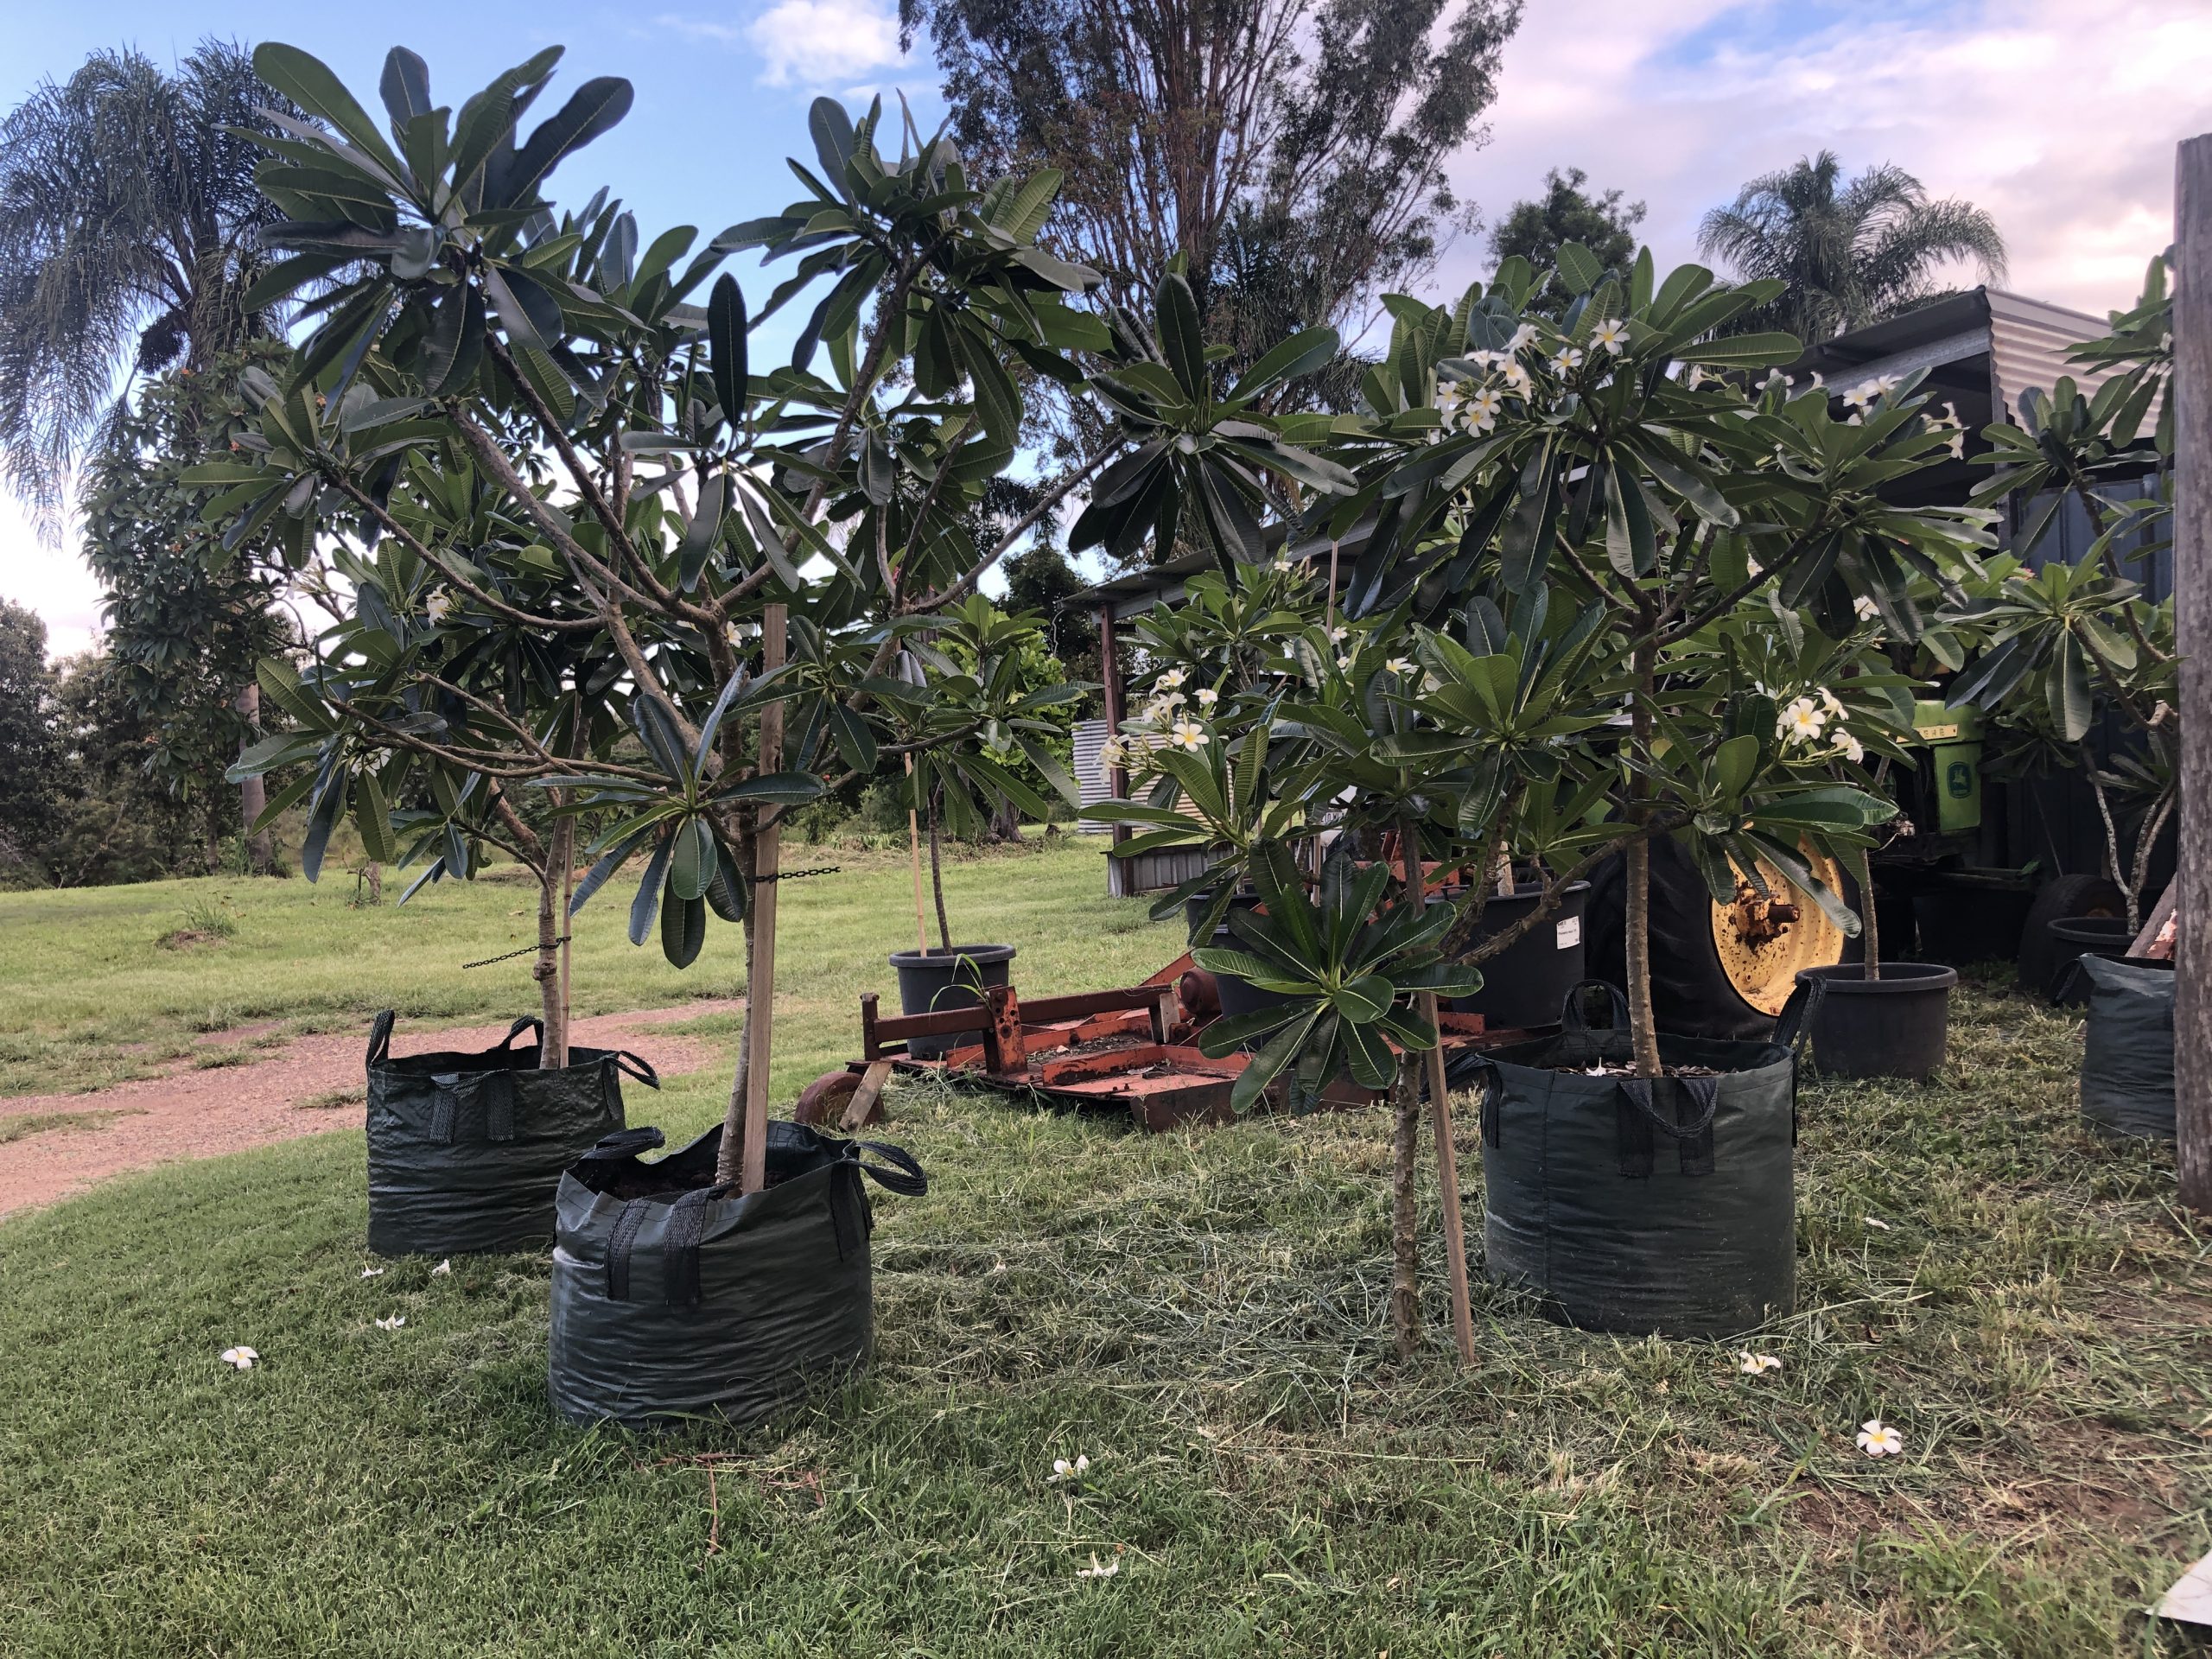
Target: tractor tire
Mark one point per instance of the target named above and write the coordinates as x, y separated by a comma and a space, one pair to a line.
1693, 992
2064, 898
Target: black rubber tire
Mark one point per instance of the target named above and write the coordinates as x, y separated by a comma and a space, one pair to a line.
1691, 994
2061, 898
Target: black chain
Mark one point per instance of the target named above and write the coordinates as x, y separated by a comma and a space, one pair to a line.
527, 950
799, 875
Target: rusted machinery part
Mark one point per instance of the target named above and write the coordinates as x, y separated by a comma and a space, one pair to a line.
1763, 941
823, 1102
1199, 995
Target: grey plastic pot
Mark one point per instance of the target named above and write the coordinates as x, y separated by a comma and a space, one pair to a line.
932, 980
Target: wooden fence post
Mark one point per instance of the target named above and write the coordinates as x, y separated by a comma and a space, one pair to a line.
760, 971
2191, 391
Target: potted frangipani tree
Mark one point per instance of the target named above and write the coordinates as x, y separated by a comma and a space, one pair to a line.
531, 418
1558, 529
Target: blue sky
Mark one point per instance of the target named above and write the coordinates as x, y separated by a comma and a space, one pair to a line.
2060, 118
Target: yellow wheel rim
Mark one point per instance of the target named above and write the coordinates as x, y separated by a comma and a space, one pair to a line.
1762, 942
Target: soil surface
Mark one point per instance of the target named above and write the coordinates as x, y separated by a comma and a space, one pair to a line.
310, 1086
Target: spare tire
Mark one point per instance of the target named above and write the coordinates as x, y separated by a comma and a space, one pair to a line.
1708, 979
2064, 898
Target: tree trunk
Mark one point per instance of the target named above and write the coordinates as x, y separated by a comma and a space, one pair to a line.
1869, 923
253, 793
552, 928
937, 879
729, 1164
1642, 1027
1405, 1147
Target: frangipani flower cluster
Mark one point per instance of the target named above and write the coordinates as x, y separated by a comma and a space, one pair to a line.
1805, 722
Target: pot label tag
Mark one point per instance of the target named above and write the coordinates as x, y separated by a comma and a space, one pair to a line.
1569, 933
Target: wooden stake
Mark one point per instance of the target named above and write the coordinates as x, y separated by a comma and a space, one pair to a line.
2191, 391
1447, 1177
760, 971
914, 846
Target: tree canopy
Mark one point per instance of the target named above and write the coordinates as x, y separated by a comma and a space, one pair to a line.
1605, 224
1850, 253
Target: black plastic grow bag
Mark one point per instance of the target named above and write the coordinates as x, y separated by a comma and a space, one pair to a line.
674, 1297
1644, 1205
2127, 1048
465, 1150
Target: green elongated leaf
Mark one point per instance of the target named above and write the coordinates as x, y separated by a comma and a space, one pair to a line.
774, 788
612, 860
996, 399
1301, 354
308, 82
692, 862
682, 928
592, 108
1373, 1066
1526, 551
646, 904
269, 753
664, 738
1745, 351
373, 819
727, 892
1690, 484
527, 312
2067, 690
699, 535
455, 342
1734, 763
287, 275
405, 85
726, 343
713, 722
1183, 346
1365, 1000
832, 132
1266, 1066
1579, 268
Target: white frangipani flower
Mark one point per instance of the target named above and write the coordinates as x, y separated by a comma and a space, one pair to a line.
1800, 722
240, 1358
1567, 359
1188, 735
437, 607
1483, 408
1523, 337
1753, 1365
1849, 746
1282, 567
1094, 1571
1865, 608
372, 1273
1338, 636
1516, 379
1830, 701
1074, 1469
393, 1323
1345, 664
1695, 378
1878, 1439
1208, 696
444, 1269
1612, 334
1398, 665
1171, 679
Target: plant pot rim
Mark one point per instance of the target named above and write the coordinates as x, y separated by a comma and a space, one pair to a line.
1978, 879
2093, 927
1898, 978
936, 956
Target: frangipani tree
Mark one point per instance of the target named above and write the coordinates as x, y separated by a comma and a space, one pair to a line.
612, 559
1580, 555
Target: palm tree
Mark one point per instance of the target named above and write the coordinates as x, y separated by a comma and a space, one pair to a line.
1851, 256
128, 213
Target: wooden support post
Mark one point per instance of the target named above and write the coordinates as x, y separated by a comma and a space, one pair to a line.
914, 847
1117, 778
2191, 391
760, 971
1447, 1178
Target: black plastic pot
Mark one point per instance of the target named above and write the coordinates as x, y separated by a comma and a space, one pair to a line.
2075, 937
932, 982
1664, 1205
1195, 907
1241, 995
1893, 1026
1968, 916
1525, 984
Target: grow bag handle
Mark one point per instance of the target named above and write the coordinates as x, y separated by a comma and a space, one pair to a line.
637, 1067
906, 1179
494, 1090
380, 1037
1793, 1026
627, 1143
1571, 1014
529, 1022
1706, 1091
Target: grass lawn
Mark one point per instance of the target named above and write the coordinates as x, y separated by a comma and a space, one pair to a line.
1202, 1315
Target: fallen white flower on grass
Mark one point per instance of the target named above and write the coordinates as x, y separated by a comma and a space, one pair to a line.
1096, 1571
443, 1268
1753, 1365
1063, 1470
1878, 1439
393, 1323
240, 1358
1877, 1222
371, 1273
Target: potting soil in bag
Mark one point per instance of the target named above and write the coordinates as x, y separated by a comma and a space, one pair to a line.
2127, 1051
465, 1150
1644, 1205
675, 1297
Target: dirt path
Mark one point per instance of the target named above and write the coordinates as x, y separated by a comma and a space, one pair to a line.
81, 1139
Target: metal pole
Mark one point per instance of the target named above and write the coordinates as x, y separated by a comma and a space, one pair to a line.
760, 972
2191, 391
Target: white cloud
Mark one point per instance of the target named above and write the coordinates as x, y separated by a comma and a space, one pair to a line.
52, 581
2061, 124
808, 42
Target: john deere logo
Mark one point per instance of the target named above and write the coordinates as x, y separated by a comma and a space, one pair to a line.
1958, 778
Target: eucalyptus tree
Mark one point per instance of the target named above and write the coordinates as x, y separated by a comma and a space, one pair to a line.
604, 554
1849, 253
